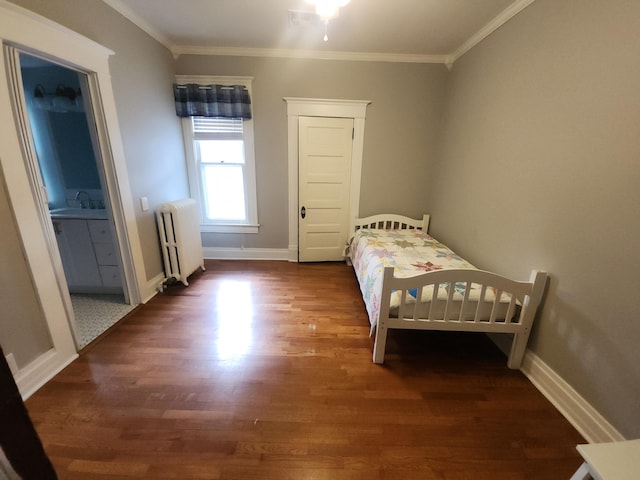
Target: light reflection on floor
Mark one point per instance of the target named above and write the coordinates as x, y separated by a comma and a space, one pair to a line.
235, 317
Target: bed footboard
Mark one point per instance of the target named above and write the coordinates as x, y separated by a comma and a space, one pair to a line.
460, 300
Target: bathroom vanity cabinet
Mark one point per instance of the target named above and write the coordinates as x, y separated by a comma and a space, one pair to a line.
88, 254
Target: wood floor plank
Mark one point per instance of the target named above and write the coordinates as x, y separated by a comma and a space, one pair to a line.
263, 370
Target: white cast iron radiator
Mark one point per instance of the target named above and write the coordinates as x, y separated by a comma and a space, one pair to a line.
179, 228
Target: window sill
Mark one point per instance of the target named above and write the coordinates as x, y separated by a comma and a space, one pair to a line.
229, 228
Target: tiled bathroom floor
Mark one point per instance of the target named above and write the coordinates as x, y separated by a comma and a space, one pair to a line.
96, 313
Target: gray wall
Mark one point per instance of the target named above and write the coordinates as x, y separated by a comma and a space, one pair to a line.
142, 73
23, 328
399, 141
540, 167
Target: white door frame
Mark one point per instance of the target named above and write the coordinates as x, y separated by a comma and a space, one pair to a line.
317, 107
37, 35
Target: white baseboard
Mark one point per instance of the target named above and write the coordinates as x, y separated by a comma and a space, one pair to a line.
152, 287
591, 424
30, 378
13, 365
221, 253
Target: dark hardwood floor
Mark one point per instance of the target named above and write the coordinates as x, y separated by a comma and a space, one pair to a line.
262, 370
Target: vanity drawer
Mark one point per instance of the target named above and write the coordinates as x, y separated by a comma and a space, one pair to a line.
99, 231
105, 253
110, 276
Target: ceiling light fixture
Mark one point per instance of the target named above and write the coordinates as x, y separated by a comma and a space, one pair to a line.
327, 10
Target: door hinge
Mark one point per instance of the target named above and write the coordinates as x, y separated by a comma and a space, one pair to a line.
353, 133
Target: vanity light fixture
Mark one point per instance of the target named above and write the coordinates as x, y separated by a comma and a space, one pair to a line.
63, 99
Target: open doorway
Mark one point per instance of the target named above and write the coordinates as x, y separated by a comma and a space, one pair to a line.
70, 174
27, 204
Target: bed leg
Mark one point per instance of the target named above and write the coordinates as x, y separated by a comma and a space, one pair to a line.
518, 349
519, 345
379, 344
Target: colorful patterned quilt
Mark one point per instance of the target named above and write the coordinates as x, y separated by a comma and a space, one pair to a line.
410, 252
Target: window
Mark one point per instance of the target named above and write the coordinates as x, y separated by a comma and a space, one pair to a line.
221, 171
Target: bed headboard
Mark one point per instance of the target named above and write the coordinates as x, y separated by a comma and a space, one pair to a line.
389, 221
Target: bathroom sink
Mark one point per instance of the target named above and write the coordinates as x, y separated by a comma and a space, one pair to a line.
98, 213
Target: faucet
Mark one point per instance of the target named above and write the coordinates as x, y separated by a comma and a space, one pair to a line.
87, 203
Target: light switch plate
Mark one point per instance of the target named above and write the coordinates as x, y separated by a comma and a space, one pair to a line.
144, 203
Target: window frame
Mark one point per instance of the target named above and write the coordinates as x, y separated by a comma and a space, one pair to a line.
196, 185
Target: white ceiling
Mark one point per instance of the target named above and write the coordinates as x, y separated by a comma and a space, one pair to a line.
426, 31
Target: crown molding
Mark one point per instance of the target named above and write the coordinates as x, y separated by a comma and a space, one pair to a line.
502, 18
307, 54
140, 22
449, 59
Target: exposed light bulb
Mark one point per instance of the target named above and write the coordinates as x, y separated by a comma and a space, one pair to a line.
326, 10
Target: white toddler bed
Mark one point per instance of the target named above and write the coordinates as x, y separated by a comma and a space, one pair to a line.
409, 280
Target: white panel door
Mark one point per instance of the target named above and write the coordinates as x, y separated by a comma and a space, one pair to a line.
325, 146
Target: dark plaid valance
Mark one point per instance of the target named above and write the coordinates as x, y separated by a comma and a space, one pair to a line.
193, 100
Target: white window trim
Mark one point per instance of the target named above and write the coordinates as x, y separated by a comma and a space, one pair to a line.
252, 225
